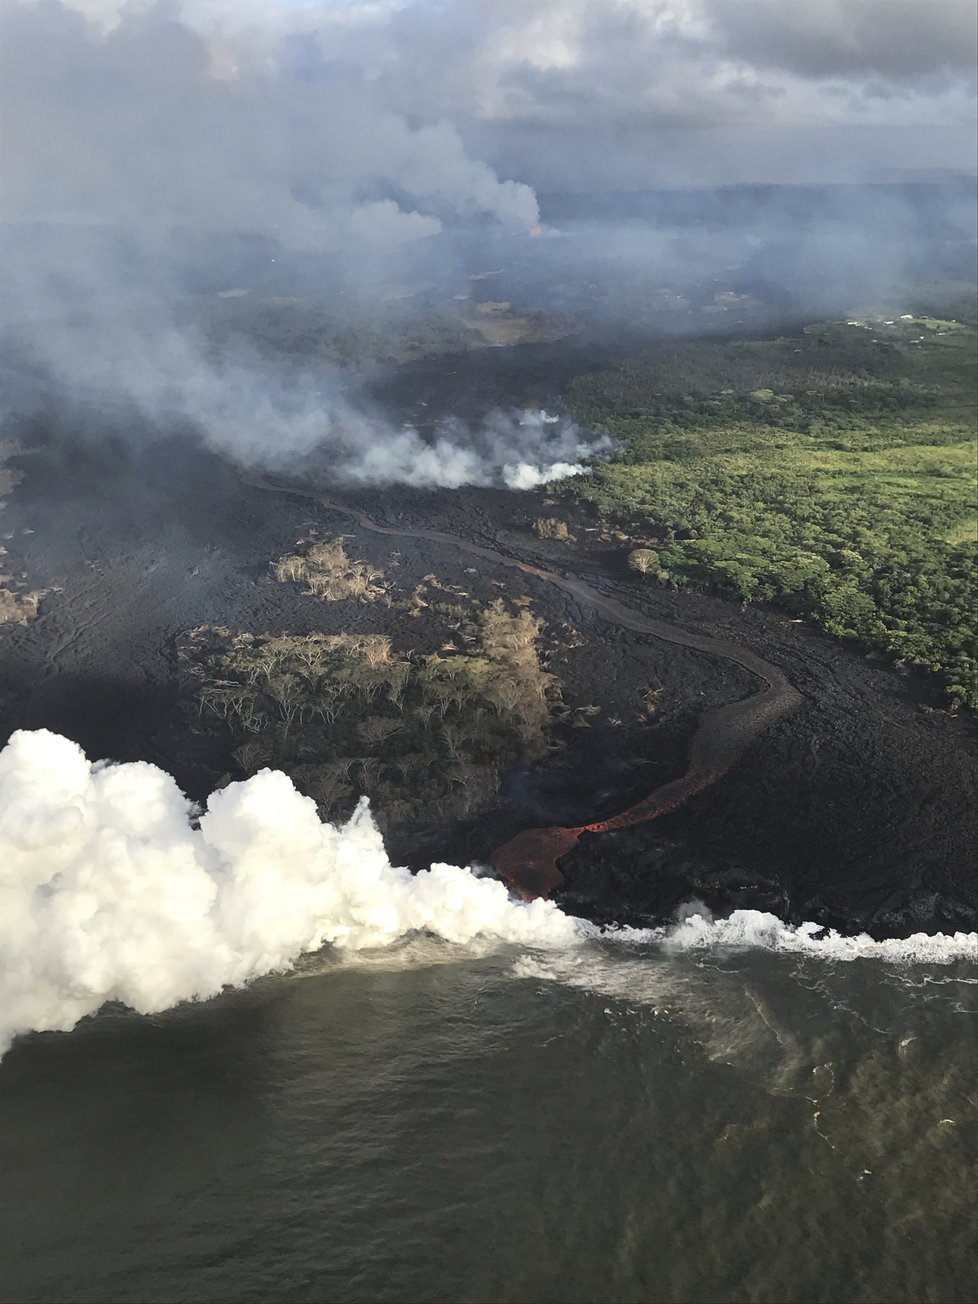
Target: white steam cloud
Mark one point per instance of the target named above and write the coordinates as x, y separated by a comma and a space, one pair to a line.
112, 889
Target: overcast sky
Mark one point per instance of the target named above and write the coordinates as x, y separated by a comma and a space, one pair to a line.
384, 118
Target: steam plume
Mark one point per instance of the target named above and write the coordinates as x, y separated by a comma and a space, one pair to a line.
112, 889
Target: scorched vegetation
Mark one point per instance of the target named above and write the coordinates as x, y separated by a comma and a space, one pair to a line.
424, 736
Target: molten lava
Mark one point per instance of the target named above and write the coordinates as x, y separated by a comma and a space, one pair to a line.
528, 863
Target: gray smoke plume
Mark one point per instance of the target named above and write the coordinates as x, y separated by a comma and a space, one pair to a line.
128, 366
158, 156
133, 152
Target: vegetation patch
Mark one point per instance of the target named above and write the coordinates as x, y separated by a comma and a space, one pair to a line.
426, 737
833, 473
550, 527
327, 572
17, 608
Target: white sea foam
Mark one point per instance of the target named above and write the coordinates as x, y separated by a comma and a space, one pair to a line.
112, 888
751, 929
695, 970
634, 962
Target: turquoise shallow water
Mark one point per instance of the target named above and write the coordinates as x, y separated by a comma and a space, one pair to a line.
611, 1123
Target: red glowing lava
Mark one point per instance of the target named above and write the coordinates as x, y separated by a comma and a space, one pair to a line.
528, 864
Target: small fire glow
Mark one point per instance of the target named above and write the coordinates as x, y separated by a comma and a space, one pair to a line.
536, 230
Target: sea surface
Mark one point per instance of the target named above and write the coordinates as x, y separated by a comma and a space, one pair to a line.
617, 1122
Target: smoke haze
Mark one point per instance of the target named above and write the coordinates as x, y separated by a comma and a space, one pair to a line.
158, 156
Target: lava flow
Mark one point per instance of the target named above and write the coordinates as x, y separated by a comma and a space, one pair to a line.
528, 863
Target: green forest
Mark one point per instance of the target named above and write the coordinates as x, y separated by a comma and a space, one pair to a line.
832, 473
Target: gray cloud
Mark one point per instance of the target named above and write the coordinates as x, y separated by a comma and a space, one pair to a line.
369, 123
639, 85
149, 122
899, 40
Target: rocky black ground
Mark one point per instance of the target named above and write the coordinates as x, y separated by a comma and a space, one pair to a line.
857, 811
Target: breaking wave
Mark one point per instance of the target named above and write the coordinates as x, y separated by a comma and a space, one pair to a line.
114, 887
751, 929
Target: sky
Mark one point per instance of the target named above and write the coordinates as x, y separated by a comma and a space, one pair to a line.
227, 105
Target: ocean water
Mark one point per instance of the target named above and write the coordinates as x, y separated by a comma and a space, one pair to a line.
613, 1122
